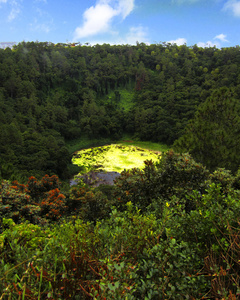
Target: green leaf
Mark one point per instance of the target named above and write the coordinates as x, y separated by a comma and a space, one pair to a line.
111, 287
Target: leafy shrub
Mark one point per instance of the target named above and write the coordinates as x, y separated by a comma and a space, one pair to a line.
224, 178
91, 204
36, 201
67, 262
36, 188
175, 174
15, 203
129, 231
207, 224
53, 205
170, 270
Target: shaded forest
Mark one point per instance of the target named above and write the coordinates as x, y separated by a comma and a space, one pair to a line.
53, 94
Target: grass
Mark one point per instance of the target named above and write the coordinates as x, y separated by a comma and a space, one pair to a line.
126, 99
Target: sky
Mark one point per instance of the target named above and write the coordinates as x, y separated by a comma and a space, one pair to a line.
206, 23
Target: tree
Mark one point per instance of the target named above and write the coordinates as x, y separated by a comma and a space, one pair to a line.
213, 135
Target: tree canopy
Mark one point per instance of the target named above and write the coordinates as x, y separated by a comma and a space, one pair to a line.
51, 94
213, 135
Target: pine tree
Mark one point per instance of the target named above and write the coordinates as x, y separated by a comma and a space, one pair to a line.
213, 135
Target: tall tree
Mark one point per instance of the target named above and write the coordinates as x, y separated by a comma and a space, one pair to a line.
213, 136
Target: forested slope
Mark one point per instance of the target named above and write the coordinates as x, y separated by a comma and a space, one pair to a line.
52, 94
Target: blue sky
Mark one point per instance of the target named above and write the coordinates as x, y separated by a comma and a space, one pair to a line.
201, 22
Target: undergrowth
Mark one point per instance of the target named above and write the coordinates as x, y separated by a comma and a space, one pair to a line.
168, 231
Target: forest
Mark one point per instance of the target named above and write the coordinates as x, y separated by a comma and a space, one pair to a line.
169, 230
52, 95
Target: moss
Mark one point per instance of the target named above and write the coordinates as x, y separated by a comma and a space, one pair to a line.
113, 158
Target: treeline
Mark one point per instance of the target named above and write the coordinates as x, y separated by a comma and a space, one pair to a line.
52, 94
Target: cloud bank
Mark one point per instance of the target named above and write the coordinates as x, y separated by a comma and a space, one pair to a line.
97, 19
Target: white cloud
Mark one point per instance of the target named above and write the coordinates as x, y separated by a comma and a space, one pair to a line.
179, 41
136, 34
3, 1
233, 6
125, 7
207, 44
98, 18
221, 37
14, 11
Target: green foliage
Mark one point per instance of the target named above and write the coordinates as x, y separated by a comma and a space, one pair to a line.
207, 224
173, 175
177, 238
53, 94
88, 204
122, 98
169, 270
224, 178
169, 230
74, 259
212, 137
84, 143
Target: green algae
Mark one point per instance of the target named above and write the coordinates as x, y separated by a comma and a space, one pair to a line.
113, 158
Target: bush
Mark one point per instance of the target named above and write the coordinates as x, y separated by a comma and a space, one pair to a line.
36, 201
89, 204
175, 174
170, 270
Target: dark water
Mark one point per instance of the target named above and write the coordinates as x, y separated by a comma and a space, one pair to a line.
97, 178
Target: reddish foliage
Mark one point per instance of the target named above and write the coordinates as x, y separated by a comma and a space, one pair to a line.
53, 205
36, 188
36, 198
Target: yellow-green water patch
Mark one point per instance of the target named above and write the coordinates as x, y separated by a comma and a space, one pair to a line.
113, 158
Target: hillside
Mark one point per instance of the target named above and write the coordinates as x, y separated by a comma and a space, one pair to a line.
51, 95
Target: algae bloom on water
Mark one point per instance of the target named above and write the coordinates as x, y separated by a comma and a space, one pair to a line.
113, 158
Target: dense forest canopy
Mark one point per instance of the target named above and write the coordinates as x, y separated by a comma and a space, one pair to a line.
52, 94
